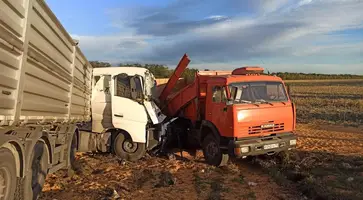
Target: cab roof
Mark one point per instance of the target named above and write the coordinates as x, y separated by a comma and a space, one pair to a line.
131, 71
240, 78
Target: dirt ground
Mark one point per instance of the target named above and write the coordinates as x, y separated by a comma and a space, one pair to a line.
327, 164
190, 178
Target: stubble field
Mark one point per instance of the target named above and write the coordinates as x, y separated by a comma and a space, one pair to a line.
327, 164
329, 102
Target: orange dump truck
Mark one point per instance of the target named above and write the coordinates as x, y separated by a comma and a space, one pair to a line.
239, 113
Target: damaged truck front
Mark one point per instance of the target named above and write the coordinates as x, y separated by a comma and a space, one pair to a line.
125, 119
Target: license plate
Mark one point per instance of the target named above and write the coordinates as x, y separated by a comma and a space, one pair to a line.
270, 146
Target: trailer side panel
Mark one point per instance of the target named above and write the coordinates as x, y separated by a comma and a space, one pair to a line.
44, 77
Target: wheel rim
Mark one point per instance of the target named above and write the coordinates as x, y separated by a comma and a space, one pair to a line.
4, 183
73, 150
212, 150
129, 146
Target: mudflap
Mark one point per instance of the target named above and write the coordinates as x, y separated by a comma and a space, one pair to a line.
87, 142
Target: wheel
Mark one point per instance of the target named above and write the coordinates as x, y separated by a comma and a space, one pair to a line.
128, 150
212, 152
7, 175
72, 153
38, 169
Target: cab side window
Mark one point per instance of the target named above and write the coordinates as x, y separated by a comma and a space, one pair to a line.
122, 88
219, 94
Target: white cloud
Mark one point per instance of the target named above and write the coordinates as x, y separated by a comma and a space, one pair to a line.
330, 50
279, 29
304, 2
217, 17
113, 48
272, 5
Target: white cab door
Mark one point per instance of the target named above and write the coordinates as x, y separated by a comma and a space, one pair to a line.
128, 114
101, 104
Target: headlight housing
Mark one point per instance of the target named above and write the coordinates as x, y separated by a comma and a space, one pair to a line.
245, 149
240, 116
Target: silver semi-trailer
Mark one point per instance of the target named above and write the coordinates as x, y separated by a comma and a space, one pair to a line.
49, 93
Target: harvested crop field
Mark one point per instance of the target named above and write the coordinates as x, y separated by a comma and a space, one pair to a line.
327, 164
329, 102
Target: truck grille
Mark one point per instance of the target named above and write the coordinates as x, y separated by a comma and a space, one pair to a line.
259, 129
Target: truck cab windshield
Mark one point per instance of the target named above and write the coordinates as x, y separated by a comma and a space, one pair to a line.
257, 92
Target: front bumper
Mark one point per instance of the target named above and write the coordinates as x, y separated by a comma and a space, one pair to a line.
262, 145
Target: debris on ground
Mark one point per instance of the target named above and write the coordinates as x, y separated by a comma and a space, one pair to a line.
252, 183
102, 177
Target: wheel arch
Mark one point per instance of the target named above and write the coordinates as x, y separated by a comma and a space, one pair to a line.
45, 139
206, 128
116, 131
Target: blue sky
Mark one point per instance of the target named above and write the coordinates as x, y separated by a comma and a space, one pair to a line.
322, 36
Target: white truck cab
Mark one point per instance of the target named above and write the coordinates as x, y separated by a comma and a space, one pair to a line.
124, 112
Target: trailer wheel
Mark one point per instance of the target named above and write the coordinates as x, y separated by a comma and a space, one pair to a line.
72, 153
38, 167
128, 150
7, 174
212, 152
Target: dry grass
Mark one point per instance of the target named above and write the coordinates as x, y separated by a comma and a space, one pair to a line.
332, 102
327, 165
324, 80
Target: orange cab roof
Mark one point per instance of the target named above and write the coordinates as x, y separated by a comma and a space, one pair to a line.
241, 78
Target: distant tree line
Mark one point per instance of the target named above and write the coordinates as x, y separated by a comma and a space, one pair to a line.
159, 71
312, 76
97, 64
162, 71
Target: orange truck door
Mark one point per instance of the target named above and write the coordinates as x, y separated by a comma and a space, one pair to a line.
216, 109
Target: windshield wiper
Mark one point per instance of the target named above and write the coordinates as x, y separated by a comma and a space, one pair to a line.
264, 101
245, 101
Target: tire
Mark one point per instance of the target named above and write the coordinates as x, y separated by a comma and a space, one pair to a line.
124, 148
72, 152
8, 179
38, 168
212, 152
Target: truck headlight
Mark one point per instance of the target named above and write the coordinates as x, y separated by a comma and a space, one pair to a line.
245, 149
240, 116
292, 142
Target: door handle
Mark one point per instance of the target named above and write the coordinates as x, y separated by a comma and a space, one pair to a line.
117, 115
